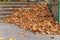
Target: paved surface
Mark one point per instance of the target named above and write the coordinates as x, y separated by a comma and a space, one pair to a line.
12, 31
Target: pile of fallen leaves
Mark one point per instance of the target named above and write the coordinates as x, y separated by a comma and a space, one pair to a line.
37, 19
